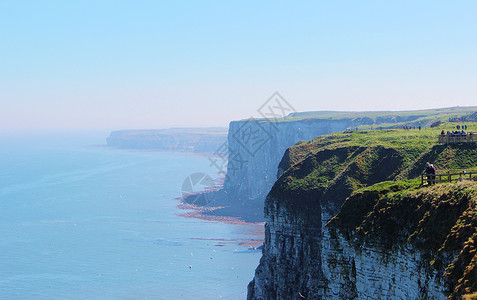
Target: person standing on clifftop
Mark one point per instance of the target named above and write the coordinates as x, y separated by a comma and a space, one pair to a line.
431, 173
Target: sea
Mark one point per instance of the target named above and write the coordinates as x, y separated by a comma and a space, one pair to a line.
79, 220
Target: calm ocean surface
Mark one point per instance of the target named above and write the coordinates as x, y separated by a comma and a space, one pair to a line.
86, 222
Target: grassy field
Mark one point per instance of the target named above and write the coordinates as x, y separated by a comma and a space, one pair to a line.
385, 119
449, 111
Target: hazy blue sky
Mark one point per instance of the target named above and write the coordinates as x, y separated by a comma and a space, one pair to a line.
152, 64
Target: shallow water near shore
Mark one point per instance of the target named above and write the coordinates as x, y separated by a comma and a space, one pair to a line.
88, 222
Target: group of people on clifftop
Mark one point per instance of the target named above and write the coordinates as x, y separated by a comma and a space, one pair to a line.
456, 133
461, 131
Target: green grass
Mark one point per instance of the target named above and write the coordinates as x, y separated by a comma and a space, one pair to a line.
410, 144
415, 117
391, 137
386, 187
350, 161
362, 158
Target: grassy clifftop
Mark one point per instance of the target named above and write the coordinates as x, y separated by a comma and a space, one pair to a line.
385, 118
330, 168
410, 143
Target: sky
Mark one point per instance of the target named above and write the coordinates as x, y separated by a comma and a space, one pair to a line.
157, 64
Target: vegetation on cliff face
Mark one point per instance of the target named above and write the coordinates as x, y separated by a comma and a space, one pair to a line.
439, 220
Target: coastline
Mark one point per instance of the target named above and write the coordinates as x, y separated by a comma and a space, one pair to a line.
198, 212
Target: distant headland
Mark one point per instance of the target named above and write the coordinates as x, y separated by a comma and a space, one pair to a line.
194, 140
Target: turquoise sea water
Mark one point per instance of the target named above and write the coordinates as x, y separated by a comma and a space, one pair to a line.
86, 222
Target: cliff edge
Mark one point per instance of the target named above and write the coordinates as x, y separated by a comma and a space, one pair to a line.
256, 147
320, 243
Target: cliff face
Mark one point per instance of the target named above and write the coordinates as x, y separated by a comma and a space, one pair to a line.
383, 243
300, 203
290, 267
255, 151
375, 272
419, 243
